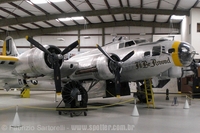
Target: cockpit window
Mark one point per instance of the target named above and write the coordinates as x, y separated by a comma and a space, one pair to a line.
171, 50
130, 43
156, 50
185, 49
140, 41
147, 53
126, 44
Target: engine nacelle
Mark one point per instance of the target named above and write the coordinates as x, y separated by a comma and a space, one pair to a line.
94, 68
35, 62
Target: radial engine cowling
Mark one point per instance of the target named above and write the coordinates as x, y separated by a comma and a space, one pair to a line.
35, 62
104, 71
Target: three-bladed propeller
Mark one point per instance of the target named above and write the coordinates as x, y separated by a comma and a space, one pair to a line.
116, 68
54, 59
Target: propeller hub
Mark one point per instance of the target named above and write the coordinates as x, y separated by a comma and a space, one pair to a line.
60, 56
113, 66
120, 63
54, 56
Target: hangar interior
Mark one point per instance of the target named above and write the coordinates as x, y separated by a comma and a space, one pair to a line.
61, 22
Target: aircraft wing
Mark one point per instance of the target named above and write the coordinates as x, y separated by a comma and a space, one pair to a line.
7, 64
7, 78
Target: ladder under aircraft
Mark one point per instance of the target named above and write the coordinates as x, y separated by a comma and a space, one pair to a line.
149, 92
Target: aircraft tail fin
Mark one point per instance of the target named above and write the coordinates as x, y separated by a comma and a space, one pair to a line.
9, 47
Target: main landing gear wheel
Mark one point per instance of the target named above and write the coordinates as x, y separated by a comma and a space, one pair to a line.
141, 94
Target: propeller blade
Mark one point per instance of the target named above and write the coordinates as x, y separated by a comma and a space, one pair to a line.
128, 56
106, 54
38, 45
70, 47
57, 77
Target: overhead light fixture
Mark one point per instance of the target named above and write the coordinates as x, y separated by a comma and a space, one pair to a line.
64, 19
60, 39
86, 37
56, 1
176, 17
29, 2
69, 19
78, 18
43, 1
38, 1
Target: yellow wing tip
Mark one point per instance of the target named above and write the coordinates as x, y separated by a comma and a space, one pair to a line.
26, 37
78, 41
97, 45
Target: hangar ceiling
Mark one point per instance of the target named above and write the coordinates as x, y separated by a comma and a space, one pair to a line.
27, 17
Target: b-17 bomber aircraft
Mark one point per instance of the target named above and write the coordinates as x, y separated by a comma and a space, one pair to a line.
116, 63
124, 61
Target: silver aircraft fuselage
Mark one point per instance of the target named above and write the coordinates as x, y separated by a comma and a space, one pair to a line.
163, 59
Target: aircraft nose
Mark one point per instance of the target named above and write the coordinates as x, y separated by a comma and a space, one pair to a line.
183, 54
186, 53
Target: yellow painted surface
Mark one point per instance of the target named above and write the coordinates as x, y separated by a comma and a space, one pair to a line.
4, 49
118, 96
175, 56
58, 93
8, 58
26, 37
25, 93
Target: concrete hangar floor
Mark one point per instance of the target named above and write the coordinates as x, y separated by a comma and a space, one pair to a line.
37, 114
